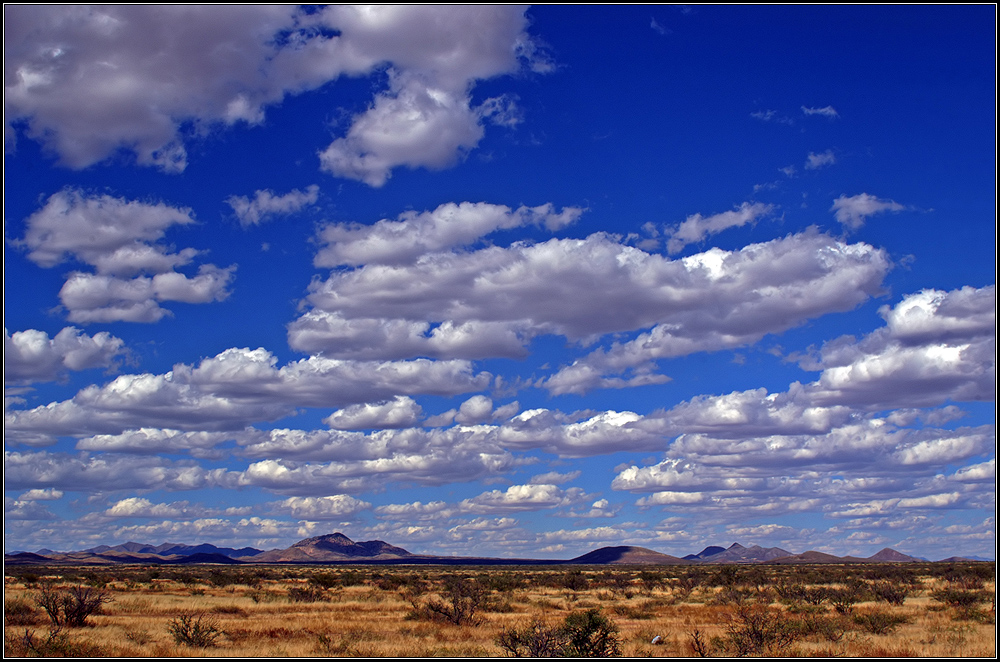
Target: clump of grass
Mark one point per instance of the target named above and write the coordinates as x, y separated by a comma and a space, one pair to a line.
138, 637
18, 611
55, 643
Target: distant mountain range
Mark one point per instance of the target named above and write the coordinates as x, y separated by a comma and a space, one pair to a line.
338, 548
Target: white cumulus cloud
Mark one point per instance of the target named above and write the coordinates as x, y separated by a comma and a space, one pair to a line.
133, 273
32, 356
88, 81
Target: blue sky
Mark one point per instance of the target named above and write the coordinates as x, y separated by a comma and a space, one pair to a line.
501, 281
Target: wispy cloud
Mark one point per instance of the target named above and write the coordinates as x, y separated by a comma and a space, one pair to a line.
265, 204
825, 111
816, 161
853, 211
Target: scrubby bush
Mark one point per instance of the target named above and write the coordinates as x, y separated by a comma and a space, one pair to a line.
582, 634
192, 630
591, 634
888, 591
844, 599
699, 643
462, 601
308, 593
966, 603
73, 606
573, 580
534, 640
222, 579
55, 644
757, 630
880, 622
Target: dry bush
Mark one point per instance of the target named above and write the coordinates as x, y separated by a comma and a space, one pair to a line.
192, 630
533, 640
889, 591
844, 599
463, 599
880, 622
72, 607
582, 634
55, 643
757, 630
306, 594
965, 603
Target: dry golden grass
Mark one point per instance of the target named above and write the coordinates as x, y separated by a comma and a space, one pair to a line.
381, 611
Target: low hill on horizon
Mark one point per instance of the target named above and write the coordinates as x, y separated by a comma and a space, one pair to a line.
338, 548
627, 555
333, 547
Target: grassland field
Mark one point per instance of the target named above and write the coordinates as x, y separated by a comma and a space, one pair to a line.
864, 610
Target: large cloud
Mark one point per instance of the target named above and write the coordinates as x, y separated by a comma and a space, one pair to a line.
935, 346
31, 356
400, 412
90, 473
725, 299
492, 301
426, 118
89, 81
786, 451
519, 498
338, 506
235, 388
118, 238
415, 233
